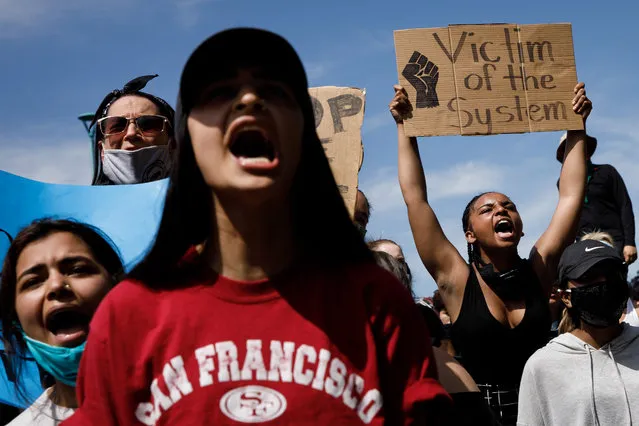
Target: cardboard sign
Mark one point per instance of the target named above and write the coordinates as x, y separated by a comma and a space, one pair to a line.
488, 79
128, 214
339, 115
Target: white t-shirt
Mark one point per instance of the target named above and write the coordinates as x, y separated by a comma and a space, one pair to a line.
43, 412
631, 314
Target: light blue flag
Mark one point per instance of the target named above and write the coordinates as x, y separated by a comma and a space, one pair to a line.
128, 214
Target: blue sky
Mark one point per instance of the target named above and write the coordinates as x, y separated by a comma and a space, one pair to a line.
60, 58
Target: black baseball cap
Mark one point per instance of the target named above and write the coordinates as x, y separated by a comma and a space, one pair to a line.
581, 256
220, 55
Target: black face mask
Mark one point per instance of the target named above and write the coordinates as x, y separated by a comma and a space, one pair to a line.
601, 304
507, 285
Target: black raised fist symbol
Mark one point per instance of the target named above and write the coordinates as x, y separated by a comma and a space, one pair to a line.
423, 75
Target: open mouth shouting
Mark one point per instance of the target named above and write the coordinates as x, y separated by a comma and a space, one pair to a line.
253, 147
505, 229
68, 325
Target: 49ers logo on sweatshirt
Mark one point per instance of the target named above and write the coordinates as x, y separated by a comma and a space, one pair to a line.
303, 365
253, 404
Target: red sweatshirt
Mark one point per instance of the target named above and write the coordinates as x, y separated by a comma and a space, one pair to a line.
307, 347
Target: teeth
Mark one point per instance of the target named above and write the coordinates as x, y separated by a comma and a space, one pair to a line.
502, 221
255, 160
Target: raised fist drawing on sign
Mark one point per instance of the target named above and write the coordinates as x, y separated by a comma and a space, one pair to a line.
422, 74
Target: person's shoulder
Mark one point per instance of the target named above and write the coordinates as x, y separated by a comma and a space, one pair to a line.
131, 290
128, 300
128, 291
541, 357
368, 274
42, 413
25, 418
605, 168
379, 288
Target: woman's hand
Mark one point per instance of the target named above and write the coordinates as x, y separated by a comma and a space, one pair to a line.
400, 106
580, 103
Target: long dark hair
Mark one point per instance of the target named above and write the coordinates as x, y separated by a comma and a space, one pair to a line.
321, 224
102, 249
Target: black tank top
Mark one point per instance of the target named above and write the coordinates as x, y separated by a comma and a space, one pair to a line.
494, 353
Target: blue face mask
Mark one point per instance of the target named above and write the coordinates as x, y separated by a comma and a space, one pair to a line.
61, 363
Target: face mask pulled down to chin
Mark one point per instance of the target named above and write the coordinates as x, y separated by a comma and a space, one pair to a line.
142, 165
62, 363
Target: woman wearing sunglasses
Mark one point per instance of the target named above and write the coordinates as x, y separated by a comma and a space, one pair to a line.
589, 375
134, 136
55, 274
239, 314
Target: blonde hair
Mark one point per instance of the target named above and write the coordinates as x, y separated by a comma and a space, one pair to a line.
566, 325
600, 236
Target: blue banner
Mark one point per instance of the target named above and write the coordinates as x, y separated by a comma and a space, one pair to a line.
128, 214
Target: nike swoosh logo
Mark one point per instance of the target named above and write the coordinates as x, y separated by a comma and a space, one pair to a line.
589, 249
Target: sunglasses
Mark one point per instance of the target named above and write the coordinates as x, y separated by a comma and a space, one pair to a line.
148, 125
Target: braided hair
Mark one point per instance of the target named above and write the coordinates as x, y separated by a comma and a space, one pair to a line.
473, 253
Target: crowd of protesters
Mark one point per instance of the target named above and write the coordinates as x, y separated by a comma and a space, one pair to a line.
238, 315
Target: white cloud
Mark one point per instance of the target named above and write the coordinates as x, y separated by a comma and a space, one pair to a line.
376, 121
22, 18
26, 13
461, 179
57, 162
618, 144
317, 70
467, 178
374, 41
189, 11
383, 191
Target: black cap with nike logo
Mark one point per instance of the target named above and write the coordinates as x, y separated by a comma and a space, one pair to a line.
581, 256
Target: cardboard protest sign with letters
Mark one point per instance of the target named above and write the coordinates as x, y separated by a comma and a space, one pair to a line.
488, 79
339, 115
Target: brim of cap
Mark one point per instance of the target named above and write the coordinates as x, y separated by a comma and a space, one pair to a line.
588, 264
591, 146
224, 49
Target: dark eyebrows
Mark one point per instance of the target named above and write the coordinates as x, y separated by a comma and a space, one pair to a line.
485, 205
32, 270
491, 204
67, 261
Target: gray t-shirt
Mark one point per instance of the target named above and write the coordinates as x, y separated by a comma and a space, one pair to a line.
43, 412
